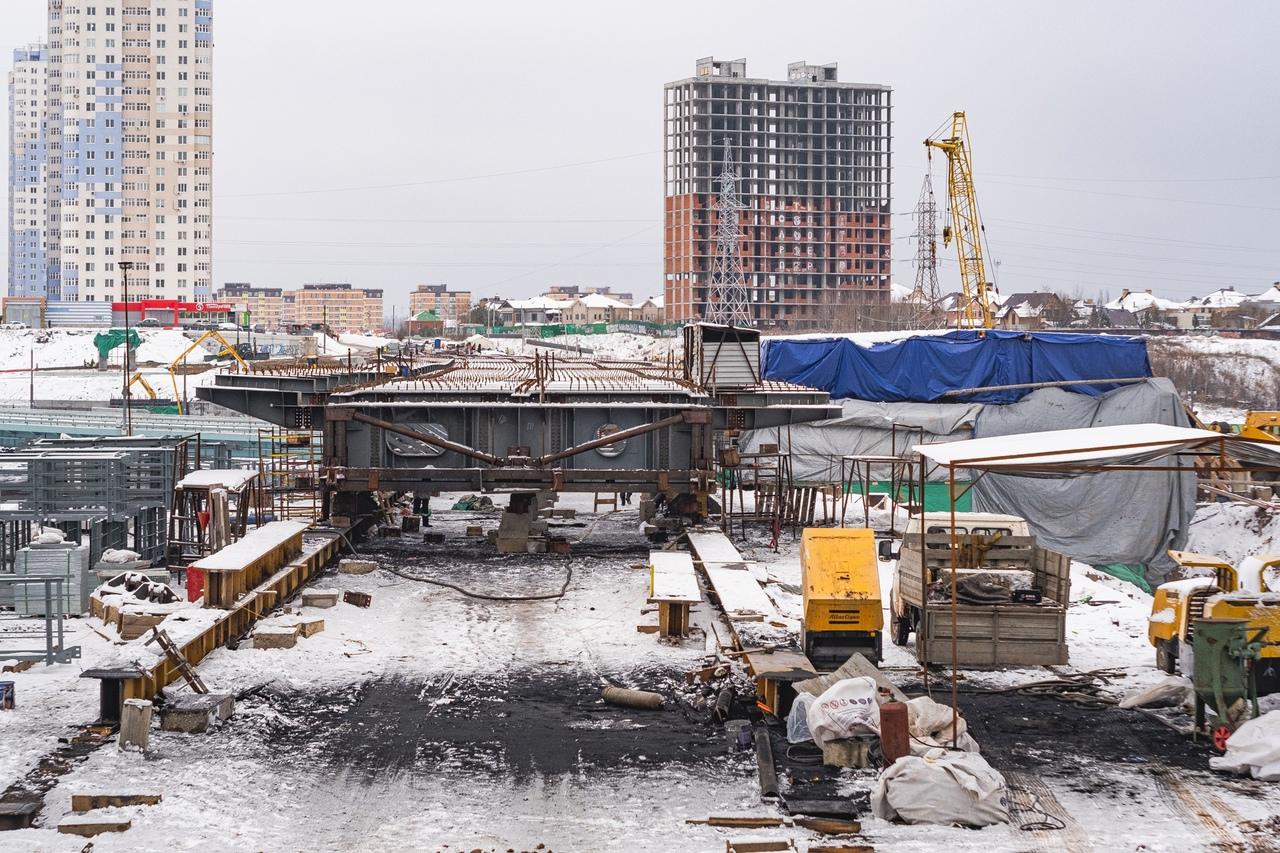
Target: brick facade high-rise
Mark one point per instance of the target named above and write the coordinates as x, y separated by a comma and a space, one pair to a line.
451, 306
814, 157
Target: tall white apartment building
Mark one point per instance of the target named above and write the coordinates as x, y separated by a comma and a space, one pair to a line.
130, 137
28, 159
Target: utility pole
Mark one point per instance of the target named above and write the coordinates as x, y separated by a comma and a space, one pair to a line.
925, 296
125, 266
727, 296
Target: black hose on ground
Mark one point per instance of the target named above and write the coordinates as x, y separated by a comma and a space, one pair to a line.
550, 596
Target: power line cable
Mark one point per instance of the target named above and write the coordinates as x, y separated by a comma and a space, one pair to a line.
435, 181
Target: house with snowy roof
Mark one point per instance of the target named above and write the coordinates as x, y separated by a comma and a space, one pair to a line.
1035, 310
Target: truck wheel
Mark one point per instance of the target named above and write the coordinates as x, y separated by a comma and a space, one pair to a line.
901, 631
1165, 661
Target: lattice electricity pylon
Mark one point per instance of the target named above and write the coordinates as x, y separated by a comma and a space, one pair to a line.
727, 301
925, 296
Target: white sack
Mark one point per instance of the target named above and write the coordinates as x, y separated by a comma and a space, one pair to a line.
798, 719
1253, 749
930, 726
942, 787
51, 536
1170, 690
122, 555
848, 708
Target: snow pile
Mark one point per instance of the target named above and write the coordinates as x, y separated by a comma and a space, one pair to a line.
369, 341
1234, 531
75, 347
862, 339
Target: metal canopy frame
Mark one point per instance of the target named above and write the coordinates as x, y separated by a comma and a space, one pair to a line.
1210, 444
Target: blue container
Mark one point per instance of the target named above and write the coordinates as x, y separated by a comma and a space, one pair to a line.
435, 344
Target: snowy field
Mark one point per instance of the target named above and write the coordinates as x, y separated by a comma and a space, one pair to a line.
434, 721
66, 361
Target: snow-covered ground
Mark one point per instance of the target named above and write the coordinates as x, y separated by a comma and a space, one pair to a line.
436, 721
622, 345
1234, 531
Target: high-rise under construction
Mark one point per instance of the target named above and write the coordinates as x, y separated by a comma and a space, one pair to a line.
814, 173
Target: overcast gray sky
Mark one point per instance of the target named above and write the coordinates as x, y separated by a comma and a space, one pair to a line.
1115, 144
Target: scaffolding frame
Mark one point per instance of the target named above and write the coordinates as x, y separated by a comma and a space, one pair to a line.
289, 472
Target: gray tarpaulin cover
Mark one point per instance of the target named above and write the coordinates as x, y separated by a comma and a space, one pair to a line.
1116, 517
863, 428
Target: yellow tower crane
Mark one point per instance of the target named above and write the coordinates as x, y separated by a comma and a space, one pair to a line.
966, 227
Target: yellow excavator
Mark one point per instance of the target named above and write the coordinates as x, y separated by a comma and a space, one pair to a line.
978, 310
1250, 591
227, 349
139, 379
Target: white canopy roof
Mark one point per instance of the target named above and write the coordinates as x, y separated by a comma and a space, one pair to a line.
1064, 448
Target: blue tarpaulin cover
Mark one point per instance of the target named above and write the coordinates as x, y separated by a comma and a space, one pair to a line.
922, 369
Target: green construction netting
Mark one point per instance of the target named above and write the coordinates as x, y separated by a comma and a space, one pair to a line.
112, 338
1134, 573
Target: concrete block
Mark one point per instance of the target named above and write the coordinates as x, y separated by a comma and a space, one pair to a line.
135, 724
89, 802
410, 523
567, 512
280, 637
320, 598
475, 531
846, 752
340, 521
194, 713
356, 567
433, 538
310, 625
88, 827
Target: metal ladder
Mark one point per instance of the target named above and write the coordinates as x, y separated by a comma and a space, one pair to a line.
175, 656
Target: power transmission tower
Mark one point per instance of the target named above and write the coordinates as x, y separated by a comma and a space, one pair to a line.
727, 296
924, 296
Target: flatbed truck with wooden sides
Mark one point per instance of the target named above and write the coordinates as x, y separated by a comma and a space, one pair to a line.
1012, 594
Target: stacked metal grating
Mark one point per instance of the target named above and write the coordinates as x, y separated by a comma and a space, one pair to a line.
101, 480
65, 560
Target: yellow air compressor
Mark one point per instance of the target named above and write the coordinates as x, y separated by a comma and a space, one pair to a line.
843, 612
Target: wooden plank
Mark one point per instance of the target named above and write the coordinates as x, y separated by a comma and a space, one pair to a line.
89, 802
713, 546
780, 665
87, 827
740, 594
672, 578
855, 666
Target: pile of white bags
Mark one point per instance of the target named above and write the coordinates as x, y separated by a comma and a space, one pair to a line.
930, 726
120, 555
942, 787
846, 709
1253, 749
50, 536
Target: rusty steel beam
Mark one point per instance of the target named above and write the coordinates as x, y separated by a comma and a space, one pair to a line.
436, 441
611, 438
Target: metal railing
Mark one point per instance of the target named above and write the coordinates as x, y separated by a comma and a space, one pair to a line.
17, 627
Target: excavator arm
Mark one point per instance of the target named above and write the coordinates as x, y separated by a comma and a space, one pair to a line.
227, 349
